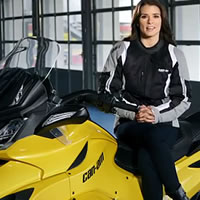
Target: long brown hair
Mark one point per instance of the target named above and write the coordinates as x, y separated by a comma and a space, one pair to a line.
165, 32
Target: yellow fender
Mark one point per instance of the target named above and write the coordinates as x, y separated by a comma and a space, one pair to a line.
15, 175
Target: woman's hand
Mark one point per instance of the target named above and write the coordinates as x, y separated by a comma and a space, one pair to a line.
145, 114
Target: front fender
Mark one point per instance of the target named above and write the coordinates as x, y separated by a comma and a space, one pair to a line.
15, 175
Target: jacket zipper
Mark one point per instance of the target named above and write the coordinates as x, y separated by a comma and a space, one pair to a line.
142, 82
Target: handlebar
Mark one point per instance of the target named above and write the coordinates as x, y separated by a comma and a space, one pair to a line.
104, 101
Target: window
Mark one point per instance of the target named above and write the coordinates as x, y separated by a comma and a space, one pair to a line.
187, 33
58, 20
192, 54
111, 21
62, 20
16, 22
187, 19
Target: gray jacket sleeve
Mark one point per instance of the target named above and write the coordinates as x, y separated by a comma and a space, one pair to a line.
111, 79
179, 90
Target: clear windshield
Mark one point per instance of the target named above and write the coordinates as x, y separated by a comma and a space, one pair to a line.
38, 55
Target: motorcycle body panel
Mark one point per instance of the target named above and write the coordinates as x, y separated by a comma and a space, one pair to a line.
55, 187
90, 176
95, 172
97, 195
189, 173
49, 155
15, 175
46, 159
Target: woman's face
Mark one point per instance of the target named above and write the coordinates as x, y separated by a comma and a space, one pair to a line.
150, 21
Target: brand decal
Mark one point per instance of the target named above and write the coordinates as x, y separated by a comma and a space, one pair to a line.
163, 70
87, 175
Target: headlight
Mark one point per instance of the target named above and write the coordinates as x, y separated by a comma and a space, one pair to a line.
8, 132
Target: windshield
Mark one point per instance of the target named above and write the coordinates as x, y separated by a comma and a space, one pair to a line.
38, 55
23, 87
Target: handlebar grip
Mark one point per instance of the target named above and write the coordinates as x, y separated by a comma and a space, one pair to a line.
108, 102
103, 101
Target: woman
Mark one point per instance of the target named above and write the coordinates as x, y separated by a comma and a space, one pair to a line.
146, 69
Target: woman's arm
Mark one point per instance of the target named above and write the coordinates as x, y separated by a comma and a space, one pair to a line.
179, 90
112, 78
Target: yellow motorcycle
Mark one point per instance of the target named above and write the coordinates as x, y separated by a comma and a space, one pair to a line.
50, 149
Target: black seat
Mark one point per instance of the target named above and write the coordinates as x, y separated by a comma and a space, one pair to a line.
195, 133
188, 142
184, 140
125, 158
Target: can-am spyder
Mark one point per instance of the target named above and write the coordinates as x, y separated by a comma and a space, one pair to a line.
50, 149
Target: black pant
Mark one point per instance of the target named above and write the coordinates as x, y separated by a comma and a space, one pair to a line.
153, 143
